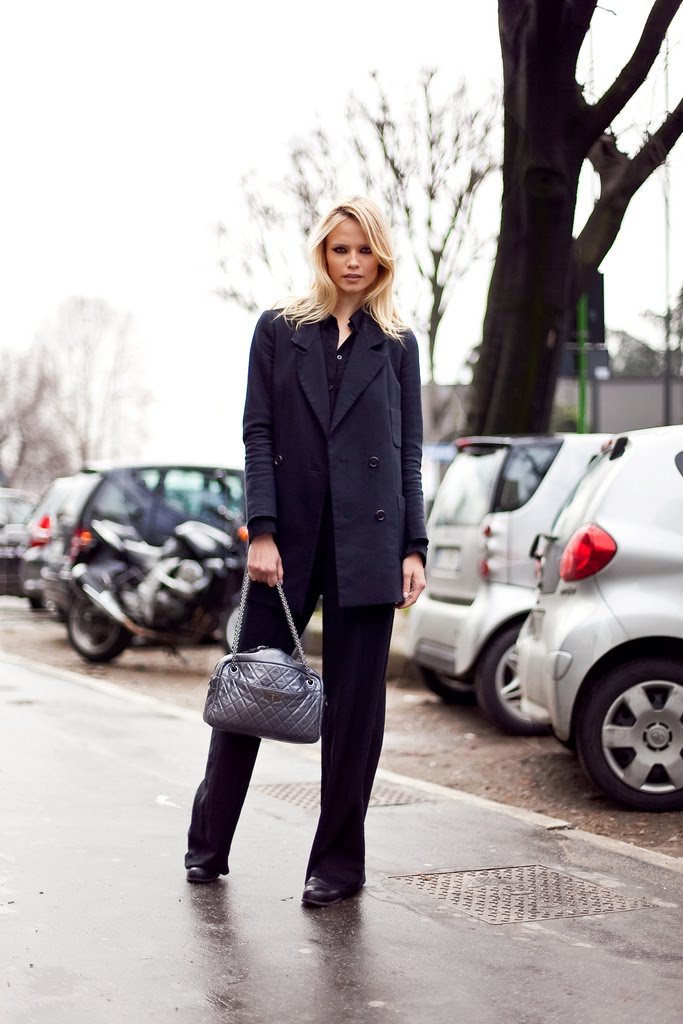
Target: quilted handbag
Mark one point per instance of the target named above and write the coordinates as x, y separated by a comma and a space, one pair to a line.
264, 691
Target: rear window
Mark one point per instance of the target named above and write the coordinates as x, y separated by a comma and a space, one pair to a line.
572, 513
464, 497
15, 510
70, 504
114, 501
524, 469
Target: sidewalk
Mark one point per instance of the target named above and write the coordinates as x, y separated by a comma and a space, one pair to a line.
97, 923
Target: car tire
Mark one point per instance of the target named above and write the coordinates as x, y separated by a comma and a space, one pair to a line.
95, 636
451, 690
629, 734
497, 689
228, 628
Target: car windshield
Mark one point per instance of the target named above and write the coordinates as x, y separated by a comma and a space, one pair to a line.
464, 497
572, 513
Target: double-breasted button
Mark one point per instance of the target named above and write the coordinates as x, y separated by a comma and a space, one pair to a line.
278, 460
379, 514
373, 462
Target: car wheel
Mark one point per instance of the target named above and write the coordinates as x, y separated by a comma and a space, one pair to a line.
93, 634
497, 686
450, 689
629, 734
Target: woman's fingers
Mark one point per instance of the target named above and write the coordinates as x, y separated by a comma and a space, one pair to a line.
413, 582
264, 564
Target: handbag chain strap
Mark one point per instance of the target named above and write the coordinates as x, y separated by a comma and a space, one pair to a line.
290, 620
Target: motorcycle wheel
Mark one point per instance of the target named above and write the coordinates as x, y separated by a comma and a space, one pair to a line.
93, 634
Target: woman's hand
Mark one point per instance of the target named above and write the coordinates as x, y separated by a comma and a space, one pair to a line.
413, 580
264, 564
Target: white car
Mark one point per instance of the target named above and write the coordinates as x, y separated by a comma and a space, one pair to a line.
601, 654
496, 496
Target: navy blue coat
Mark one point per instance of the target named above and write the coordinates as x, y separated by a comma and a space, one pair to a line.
368, 453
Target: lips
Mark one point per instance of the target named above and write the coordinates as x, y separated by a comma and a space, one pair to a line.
352, 277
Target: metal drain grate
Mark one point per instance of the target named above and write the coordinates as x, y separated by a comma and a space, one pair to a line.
511, 895
307, 794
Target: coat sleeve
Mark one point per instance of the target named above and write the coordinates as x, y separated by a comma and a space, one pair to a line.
258, 424
411, 451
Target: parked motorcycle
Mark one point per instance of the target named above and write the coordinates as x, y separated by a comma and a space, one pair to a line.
179, 593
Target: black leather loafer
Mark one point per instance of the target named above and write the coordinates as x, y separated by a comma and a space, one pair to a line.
202, 875
318, 893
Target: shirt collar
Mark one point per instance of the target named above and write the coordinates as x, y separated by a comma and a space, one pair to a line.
355, 320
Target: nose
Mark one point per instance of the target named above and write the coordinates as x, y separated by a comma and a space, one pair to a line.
353, 260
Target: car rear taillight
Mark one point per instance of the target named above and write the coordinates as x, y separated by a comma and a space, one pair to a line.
484, 563
243, 534
79, 542
42, 533
590, 549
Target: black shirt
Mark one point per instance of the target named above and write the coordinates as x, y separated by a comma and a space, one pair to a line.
337, 356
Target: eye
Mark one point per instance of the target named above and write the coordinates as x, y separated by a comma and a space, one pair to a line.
366, 250
339, 248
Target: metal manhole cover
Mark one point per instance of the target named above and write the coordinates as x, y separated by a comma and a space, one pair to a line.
301, 794
307, 794
530, 892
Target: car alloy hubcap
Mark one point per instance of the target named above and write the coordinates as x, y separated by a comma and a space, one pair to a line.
507, 683
642, 736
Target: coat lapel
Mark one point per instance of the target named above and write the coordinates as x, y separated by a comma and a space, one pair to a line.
310, 366
365, 362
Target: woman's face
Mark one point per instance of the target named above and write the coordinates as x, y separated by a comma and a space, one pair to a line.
351, 263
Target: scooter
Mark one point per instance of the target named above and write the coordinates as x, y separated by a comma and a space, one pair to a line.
181, 592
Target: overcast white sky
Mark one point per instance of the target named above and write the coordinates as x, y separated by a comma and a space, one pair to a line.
127, 128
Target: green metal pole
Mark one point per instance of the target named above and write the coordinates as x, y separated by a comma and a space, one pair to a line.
581, 361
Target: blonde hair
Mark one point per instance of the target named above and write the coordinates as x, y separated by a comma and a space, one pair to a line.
321, 298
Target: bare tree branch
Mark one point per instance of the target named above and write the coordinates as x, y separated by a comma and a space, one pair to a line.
577, 19
622, 178
634, 73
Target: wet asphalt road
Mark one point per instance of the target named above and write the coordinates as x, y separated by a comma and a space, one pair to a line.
97, 923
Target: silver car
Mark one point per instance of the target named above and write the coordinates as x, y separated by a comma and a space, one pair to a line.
497, 495
601, 654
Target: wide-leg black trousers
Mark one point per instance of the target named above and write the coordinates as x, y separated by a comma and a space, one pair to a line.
355, 652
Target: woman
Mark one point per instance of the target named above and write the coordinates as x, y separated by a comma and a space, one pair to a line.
333, 440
